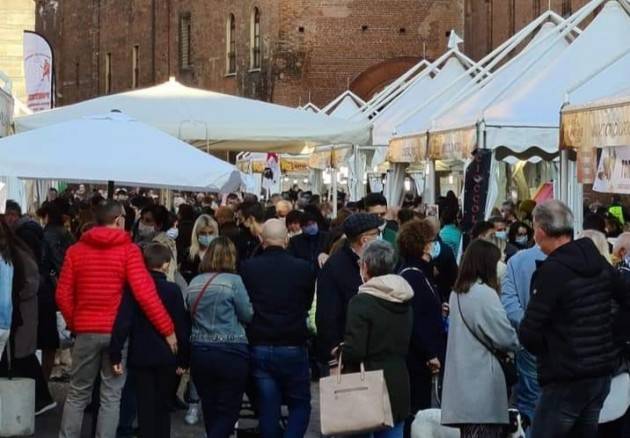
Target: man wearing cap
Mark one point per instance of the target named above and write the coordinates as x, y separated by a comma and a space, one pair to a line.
339, 281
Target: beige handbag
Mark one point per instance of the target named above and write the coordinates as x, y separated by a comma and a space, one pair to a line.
354, 403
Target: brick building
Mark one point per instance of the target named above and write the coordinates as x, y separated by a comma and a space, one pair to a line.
276, 50
285, 51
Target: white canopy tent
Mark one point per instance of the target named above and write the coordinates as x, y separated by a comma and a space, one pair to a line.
213, 120
528, 117
460, 120
90, 150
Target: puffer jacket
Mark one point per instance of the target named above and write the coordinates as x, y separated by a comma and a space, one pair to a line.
93, 275
568, 324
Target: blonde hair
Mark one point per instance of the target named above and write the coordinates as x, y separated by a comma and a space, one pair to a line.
220, 257
203, 221
599, 239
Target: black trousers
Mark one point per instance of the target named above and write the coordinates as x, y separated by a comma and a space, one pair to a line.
154, 390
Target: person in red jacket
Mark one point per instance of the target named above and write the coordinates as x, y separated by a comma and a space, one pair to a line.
89, 293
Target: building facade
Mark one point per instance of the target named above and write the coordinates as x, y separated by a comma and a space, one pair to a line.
16, 16
285, 51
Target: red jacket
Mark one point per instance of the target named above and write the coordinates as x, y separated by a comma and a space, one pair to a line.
94, 273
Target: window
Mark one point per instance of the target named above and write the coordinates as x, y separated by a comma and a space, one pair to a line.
566, 8
108, 73
512, 17
77, 77
135, 70
184, 41
231, 45
255, 40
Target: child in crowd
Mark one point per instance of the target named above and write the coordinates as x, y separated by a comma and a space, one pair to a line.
155, 366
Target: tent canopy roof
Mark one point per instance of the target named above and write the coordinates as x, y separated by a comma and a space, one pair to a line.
114, 147
220, 121
529, 115
344, 106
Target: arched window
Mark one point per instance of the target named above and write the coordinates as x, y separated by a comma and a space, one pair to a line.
231, 45
255, 56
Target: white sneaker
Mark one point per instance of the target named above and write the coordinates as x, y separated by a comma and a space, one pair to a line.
192, 415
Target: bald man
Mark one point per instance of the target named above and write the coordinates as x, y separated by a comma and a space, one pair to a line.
281, 290
283, 208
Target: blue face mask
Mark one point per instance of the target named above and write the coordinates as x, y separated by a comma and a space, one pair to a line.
435, 250
521, 240
501, 235
311, 230
205, 240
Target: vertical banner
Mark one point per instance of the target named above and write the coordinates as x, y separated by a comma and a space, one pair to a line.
477, 182
613, 171
271, 175
38, 72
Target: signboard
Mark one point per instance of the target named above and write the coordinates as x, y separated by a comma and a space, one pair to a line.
407, 149
613, 171
477, 181
597, 127
38, 72
456, 144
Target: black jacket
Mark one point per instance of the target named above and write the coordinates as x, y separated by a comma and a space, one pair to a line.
32, 234
428, 339
568, 322
337, 283
281, 290
307, 247
147, 348
184, 237
188, 268
444, 271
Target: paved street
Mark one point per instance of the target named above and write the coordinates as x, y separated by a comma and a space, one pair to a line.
47, 425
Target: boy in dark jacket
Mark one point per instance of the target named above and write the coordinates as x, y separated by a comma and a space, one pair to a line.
155, 366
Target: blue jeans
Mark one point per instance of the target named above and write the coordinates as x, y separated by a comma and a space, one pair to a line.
570, 409
220, 372
527, 389
282, 375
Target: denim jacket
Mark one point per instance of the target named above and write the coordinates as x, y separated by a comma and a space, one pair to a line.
6, 287
222, 312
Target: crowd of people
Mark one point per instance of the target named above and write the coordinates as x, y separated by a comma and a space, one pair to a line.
254, 300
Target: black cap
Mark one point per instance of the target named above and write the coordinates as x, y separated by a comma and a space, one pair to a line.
359, 223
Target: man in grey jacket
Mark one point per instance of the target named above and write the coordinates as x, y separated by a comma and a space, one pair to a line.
515, 293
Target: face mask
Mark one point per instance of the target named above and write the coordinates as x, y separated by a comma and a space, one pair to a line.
521, 240
173, 233
435, 250
501, 235
311, 230
145, 231
205, 240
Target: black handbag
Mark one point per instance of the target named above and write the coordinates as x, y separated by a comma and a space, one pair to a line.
506, 361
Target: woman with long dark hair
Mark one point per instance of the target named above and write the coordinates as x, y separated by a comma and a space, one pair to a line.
475, 397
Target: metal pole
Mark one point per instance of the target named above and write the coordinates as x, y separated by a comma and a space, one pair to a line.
333, 187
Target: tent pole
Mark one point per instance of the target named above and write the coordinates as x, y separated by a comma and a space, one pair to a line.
110, 189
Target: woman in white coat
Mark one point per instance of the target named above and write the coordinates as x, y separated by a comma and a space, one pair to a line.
474, 397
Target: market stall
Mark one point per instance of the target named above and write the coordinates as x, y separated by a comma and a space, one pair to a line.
596, 136
114, 147
214, 121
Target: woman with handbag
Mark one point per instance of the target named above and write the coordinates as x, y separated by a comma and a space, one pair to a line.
220, 309
378, 329
474, 393
428, 340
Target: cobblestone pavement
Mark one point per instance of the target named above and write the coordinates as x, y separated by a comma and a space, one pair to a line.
47, 425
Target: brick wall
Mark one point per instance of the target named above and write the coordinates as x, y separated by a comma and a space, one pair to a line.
15, 17
309, 48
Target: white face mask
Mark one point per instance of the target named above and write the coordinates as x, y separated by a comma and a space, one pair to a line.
173, 233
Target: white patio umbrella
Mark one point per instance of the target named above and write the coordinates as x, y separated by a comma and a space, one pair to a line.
114, 147
214, 120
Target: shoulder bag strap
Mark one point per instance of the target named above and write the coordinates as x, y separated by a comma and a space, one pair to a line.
413, 268
193, 309
488, 347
